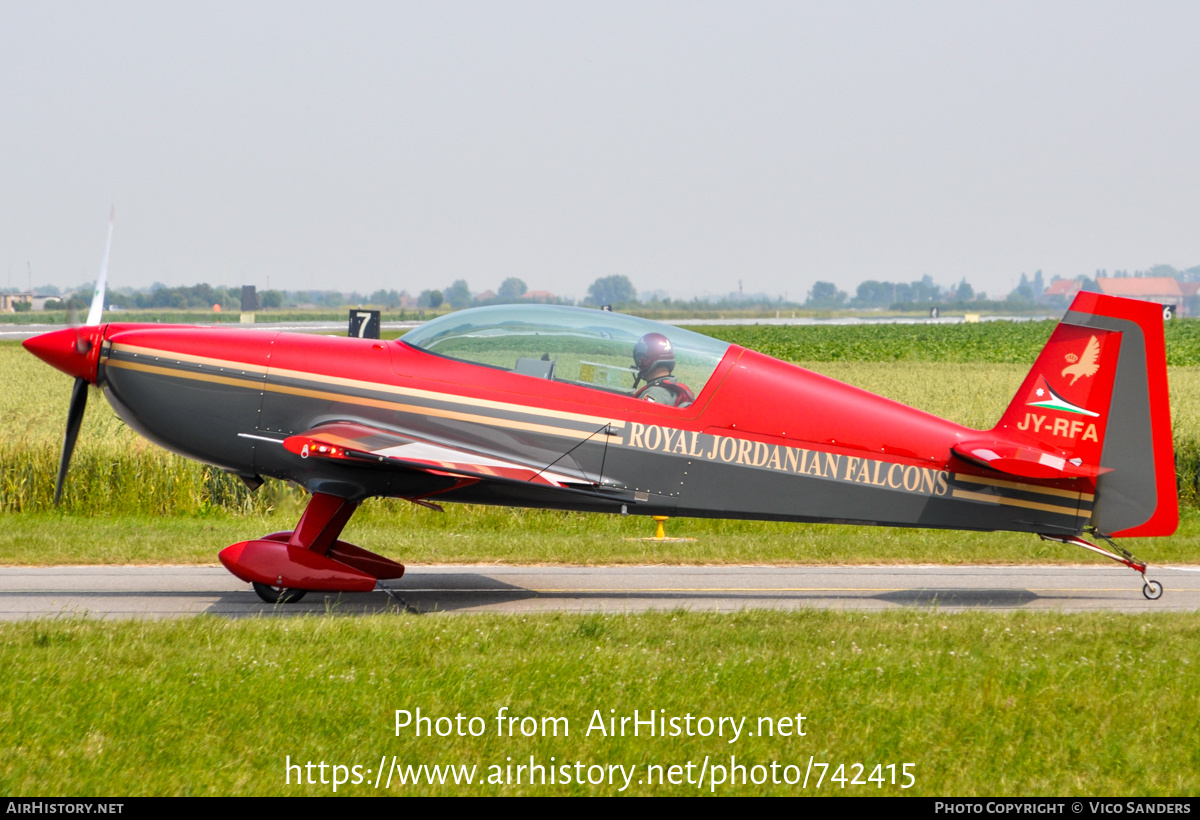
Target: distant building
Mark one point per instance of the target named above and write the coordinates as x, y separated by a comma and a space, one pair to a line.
539, 296
37, 301
485, 298
1161, 289
1191, 302
1061, 292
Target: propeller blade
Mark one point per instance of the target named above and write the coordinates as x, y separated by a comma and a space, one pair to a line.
97, 308
74, 419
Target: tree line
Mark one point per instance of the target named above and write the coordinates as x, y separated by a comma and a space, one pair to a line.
617, 291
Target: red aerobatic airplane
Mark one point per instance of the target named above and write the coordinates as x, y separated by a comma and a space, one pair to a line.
538, 406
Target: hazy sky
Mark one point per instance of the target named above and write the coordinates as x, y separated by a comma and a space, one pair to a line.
685, 145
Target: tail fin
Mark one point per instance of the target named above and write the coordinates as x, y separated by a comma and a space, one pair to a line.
1097, 399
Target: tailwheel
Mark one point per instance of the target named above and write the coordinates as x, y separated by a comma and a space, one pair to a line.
1153, 590
283, 595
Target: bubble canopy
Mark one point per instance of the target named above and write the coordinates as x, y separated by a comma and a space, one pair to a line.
592, 348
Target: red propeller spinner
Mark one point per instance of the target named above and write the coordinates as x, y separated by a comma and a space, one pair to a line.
73, 350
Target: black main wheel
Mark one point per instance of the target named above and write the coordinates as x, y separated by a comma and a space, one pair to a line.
278, 595
1153, 590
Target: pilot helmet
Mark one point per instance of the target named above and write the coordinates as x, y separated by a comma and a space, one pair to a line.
651, 351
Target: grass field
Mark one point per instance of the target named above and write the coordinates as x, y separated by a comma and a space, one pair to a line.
1015, 704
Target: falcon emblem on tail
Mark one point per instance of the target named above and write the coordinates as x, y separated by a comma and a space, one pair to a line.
1088, 363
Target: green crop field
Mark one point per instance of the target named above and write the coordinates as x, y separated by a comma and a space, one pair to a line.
980, 343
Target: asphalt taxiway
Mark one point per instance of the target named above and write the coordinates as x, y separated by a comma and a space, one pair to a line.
175, 591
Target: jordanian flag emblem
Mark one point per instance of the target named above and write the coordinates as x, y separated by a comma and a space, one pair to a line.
1043, 396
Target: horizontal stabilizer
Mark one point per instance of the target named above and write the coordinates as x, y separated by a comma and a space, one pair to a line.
1024, 461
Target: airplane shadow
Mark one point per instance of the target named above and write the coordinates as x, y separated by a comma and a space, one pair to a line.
967, 598
468, 591
457, 591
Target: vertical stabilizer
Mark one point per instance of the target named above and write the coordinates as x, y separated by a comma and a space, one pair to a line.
1097, 395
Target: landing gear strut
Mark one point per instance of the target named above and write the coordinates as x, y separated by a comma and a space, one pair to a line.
1153, 590
283, 566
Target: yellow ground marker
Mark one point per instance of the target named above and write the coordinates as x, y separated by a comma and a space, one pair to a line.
660, 533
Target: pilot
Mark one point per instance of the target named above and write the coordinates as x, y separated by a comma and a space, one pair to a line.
654, 358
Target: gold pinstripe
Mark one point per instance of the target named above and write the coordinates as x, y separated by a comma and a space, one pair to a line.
1025, 488
185, 374
188, 357
1019, 502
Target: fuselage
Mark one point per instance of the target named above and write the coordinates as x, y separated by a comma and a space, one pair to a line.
763, 440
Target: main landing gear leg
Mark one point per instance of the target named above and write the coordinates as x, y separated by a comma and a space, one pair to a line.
322, 522
283, 566
1153, 590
